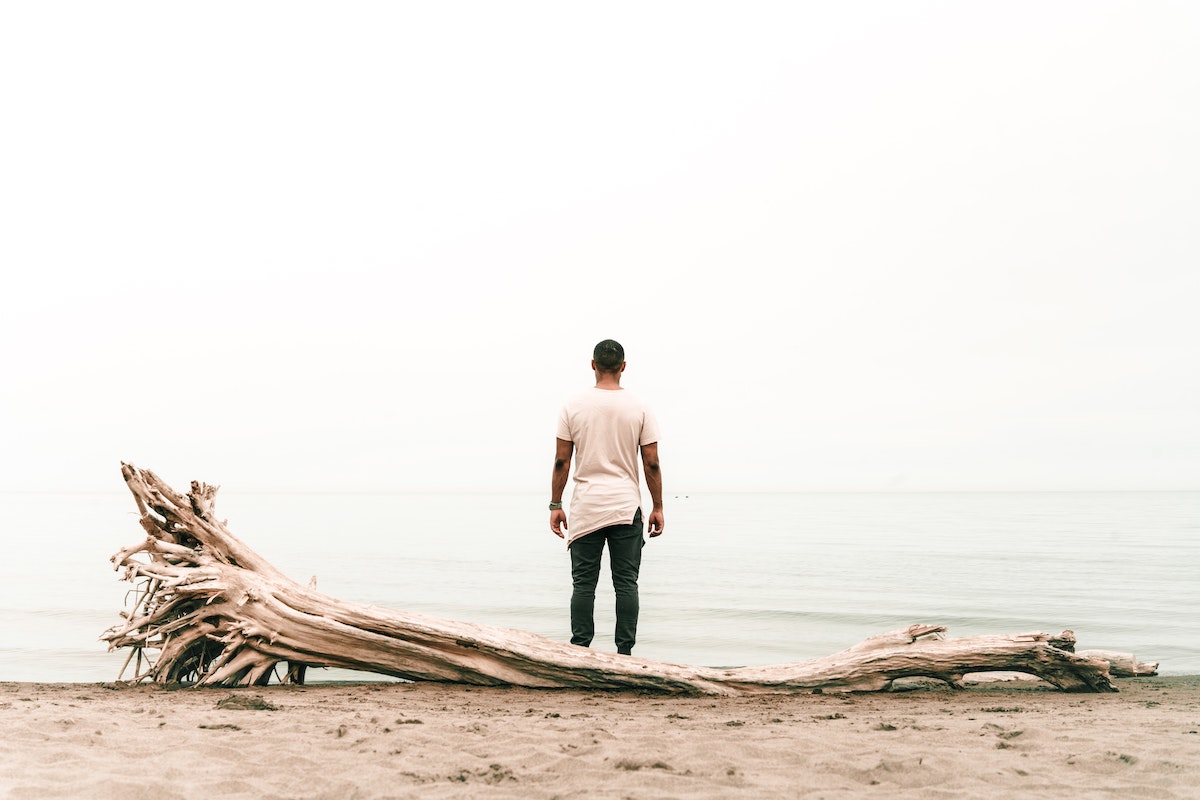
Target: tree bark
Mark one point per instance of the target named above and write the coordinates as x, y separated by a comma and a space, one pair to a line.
217, 613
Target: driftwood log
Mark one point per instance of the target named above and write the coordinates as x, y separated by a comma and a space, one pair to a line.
208, 610
1122, 665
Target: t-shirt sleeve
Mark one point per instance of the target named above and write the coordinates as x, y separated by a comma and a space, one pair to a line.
649, 428
564, 426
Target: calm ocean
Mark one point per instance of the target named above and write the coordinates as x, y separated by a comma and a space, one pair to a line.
737, 579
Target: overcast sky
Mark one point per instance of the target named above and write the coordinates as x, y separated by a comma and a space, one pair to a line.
357, 246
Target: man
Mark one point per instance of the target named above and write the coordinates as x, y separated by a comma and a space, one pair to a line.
605, 428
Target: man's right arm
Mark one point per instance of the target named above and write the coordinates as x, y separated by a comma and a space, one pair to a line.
558, 483
653, 474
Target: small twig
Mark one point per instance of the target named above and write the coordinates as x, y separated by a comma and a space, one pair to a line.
121, 674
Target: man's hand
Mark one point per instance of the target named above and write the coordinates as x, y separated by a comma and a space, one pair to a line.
558, 522
656, 523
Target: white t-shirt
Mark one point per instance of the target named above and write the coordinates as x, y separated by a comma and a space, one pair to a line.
608, 427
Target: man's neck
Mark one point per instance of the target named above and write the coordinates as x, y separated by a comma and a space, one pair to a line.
608, 380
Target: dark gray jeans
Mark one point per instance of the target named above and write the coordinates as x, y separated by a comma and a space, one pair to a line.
625, 544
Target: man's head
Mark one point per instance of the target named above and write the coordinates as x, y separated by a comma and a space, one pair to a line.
608, 356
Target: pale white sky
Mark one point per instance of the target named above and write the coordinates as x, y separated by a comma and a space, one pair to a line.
369, 246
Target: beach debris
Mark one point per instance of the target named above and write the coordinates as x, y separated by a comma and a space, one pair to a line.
1123, 665
208, 610
239, 702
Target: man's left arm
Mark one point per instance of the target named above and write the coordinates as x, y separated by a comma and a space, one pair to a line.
654, 483
563, 450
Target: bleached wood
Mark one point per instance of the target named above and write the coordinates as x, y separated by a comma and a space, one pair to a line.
218, 613
1122, 665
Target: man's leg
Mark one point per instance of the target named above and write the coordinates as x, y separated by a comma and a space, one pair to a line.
625, 544
585, 572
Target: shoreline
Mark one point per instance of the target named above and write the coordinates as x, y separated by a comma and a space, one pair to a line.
390, 739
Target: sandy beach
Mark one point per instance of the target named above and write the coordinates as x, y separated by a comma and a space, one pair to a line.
384, 740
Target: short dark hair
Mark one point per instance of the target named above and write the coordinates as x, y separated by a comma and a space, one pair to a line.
609, 356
